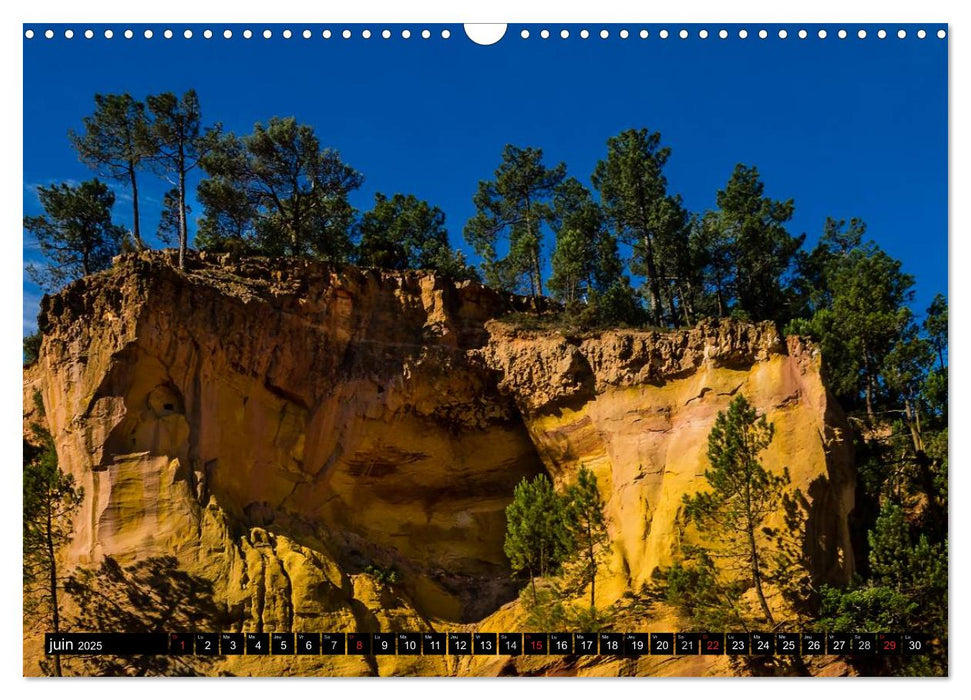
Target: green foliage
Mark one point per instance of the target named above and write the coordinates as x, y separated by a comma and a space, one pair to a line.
32, 342
50, 497
585, 260
906, 591
634, 196
936, 447
550, 609
516, 205
617, 306
385, 576
935, 330
277, 192
861, 296
114, 144
705, 599
588, 529
546, 609
170, 222
935, 326
743, 494
864, 609
229, 218
537, 534
177, 144
50, 500
405, 233
75, 233
752, 256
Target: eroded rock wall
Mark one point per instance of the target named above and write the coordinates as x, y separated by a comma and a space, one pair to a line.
636, 408
288, 431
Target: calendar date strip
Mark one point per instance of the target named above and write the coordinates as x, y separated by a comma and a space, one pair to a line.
489, 643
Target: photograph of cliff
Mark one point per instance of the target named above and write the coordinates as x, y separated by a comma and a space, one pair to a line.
300, 362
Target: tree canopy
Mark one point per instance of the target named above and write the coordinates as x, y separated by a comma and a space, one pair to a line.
177, 143
635, 198
516, 205
75, 234
114, 144
402, 232
754, 255
277, 191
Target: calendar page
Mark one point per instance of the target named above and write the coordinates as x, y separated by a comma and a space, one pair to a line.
485, 350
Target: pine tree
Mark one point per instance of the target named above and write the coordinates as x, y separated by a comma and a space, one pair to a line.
582, 250
864, 313
75, 233
113, 144
935, 326
50, 500
517, 204
588, 527
935, 330
537, 535
907, 589
177, 144
750, 229
743, 494
170, 222
634, 195
32, 343
229, 215
406, 233
278, 192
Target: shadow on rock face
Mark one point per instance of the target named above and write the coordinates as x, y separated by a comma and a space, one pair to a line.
153, 595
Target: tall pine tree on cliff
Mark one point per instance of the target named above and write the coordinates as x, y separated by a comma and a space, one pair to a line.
862, 296
177, 144
517, 204
277, 191
75, 233
403, 232
113, 144
751, 229
634, 195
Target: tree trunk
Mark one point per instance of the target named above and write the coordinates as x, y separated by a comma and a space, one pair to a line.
55, 612
593, 570
757, 577
754, 555
653, 285
532, 584
535, 274
183, 226
685, 306
913, 423
136, 228
869, 387
538, 271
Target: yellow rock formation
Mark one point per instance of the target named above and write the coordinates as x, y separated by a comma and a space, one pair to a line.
279, 434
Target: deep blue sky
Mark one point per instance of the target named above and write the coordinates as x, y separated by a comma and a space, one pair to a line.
845, 127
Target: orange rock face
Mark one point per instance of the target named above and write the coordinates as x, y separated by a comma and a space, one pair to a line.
291, 435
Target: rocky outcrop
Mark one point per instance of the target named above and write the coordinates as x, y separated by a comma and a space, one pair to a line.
293, 433
636, 408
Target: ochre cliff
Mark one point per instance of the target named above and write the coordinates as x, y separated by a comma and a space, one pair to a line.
279, 434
